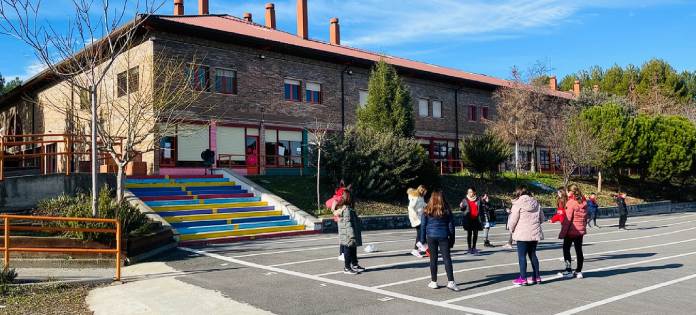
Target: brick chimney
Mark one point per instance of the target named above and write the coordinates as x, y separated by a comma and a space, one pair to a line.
270, 16
302, 29
247, 17
178, 7
203, 8
553, 83
335, 32
595, 88
576, 88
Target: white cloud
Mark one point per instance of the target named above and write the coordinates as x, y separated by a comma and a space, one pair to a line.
34, 68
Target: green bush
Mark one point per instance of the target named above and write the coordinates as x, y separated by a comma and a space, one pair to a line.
378, 164
7, 276
484, 154
133, 222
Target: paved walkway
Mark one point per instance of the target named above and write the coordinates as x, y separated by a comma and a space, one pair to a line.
151, 288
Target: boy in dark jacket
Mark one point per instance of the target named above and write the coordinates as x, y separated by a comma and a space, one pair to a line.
620, 199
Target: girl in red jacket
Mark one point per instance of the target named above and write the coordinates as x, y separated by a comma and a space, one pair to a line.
573, 230
561, 199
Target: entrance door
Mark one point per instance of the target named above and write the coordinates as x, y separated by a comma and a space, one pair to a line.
252, 155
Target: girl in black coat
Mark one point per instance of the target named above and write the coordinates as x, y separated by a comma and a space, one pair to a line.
473, 210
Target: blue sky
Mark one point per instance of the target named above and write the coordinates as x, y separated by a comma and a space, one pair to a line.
487, 37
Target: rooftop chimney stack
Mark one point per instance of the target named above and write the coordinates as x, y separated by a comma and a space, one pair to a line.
178, 7
302, 30
203, 7
270, 16
553, 83
595, 88
576, 88
335, 32
247, 17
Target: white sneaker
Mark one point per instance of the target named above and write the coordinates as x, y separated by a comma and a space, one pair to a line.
579, 275
565, 274
432, 285
507, 246
341, 258
416, 253
452, 286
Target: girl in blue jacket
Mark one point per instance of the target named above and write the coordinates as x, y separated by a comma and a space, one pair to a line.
437, 227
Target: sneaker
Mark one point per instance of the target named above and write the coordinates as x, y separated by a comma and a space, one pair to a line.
566, 274
507, 246
341, 258
427, 253
579, 275
432, 285
537, 280
349, 271
357, 268
520, 281
416, 253
475, 252
452, 286
487, 244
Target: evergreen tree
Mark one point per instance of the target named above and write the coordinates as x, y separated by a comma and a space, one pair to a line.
388, 107
485, 154
609, 122
8, 86
673, 149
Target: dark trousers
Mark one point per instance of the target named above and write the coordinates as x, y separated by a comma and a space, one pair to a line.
592, 217
350, 255
471, 238
440, 245
418, 236
528, 249
577, 243
623, 217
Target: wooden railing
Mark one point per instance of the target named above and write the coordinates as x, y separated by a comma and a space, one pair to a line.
8, 228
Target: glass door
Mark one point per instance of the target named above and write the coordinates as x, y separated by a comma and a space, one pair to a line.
252, 155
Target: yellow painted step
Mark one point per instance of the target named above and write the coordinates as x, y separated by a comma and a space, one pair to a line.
184, 185
220, 216
243, 232
212, 206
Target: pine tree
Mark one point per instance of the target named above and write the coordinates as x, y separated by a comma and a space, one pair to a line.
388, 107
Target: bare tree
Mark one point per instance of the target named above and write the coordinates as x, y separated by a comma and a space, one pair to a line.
84, 51
319, 133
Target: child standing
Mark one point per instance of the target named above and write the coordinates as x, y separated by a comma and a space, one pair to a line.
620, 199
592, 210
572, 232
561, 199
437, 227
525, 224
488, 219
472, 221
416, 204
350, 232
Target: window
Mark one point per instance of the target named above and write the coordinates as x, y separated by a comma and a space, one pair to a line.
437, 109
292, 90
423, 107
472, 112
127, 82
484, 112
283, 148
225, 81
544, 159
199, 77
313, 93
363, 98
84, 99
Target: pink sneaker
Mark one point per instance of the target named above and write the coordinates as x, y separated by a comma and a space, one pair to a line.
537, 280
520, 281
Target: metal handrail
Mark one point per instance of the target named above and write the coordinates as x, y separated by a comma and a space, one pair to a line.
7, 248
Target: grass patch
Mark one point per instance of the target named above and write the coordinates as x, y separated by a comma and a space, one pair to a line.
46, 299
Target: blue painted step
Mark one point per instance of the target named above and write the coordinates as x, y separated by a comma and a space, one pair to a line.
231, 227
147, 181
215, 188
225, 221
209, 211
197, 201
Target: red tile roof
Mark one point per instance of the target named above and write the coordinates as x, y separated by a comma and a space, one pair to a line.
231, 24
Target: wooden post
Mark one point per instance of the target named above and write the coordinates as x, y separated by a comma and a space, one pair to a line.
7, 244
68, 154
118, 250
2, 158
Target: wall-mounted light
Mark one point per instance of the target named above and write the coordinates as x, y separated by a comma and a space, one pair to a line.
262, 56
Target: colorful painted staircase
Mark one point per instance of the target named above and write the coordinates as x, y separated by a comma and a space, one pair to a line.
210, 208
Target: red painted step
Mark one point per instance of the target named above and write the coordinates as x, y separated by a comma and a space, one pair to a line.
214, 196
158, 198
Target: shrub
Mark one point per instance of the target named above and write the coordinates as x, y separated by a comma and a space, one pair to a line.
133, 222
484, 154
7, 276
378, 164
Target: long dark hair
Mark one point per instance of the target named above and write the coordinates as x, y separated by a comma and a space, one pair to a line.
436, 206
563, 198
520, 191
346, 199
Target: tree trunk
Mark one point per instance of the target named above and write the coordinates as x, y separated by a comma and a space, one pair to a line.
517, 157
120, 182
318, 177
533, 160
599, 181
95, 186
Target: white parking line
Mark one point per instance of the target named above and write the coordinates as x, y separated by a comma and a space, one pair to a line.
625, 295
540, 260
543, 245
412, 239
343, 283
471, 296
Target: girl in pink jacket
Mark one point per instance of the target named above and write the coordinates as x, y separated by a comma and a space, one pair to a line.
525, 225
573, 230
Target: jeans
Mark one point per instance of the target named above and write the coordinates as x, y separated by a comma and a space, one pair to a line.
577, 242
471, 238
418, 236
350, 255
435, 245
524, 249
486, 231
623, 217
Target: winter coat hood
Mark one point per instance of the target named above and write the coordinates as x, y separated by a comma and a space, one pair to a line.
525, 219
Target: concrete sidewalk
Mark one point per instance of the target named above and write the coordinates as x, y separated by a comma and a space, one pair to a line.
152, 288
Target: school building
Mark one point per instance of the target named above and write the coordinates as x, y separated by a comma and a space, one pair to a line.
269, 86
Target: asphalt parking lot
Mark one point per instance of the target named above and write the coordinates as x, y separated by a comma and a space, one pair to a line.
648, 269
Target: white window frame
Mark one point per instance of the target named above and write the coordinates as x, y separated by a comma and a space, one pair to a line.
420, 107
439, 111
